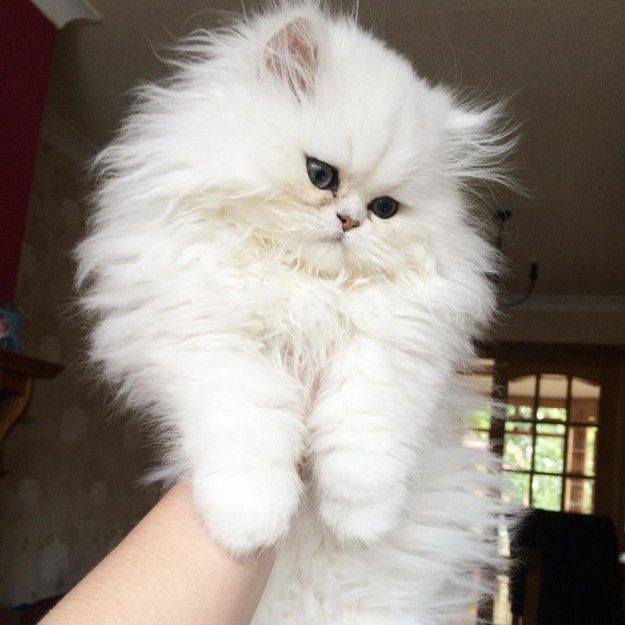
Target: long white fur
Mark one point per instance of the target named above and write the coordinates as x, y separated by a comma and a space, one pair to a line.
307, 382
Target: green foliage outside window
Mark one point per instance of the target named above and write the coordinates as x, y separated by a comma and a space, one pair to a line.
480, 419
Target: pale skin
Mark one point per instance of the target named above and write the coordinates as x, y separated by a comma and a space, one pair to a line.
167, 571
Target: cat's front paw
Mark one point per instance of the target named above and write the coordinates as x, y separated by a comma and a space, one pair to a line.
364, 522
247, 511
358, 500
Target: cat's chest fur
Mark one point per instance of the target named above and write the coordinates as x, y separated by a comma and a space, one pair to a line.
303, 318
306, 320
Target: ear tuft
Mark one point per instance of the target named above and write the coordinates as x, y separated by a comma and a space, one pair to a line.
463, 120
481, 140
292, 56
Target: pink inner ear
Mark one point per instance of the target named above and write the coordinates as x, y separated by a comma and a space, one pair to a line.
291, 54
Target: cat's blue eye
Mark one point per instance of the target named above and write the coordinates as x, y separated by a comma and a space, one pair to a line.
322, 175
383, 207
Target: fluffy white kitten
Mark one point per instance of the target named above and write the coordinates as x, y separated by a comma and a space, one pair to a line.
286, 275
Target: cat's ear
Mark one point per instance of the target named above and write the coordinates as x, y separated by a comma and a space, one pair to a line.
292, 55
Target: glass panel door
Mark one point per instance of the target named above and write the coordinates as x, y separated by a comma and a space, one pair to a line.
549, 442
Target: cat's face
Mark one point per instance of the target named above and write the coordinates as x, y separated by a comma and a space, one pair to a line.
345, 195
323, 145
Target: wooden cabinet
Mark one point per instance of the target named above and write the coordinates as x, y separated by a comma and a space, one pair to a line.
17, 377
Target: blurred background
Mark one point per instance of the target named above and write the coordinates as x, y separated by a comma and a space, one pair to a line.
70, 484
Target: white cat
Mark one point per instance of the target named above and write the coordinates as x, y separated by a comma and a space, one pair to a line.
287, 278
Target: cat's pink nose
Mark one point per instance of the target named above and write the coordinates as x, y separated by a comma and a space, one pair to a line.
347, 223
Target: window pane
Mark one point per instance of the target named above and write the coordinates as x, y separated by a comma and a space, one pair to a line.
550, 413
476, 440
551, 429
552, 404
519, 412
581, 453
480, 419
521, 393
517, 452
517, 488
525, 412
549, 448
518, 427
579, 495
546, 492
584, 401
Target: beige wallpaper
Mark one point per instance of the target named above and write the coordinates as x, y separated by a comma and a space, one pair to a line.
71, 489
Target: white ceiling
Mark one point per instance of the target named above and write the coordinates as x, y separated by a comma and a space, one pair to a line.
564, 60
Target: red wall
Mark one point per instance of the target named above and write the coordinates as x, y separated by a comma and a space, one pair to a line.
26, 43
